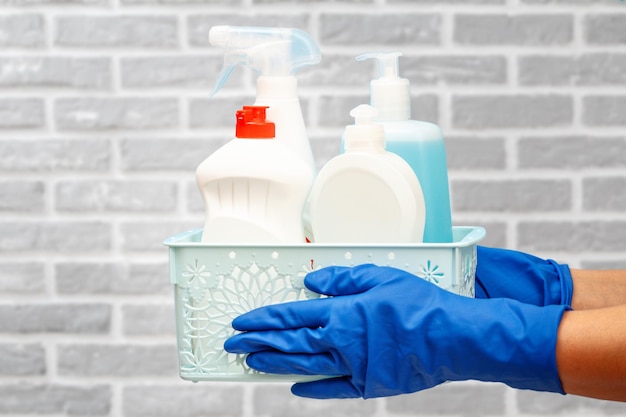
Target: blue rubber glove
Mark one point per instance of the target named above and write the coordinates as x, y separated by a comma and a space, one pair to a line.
386, 332
502, 273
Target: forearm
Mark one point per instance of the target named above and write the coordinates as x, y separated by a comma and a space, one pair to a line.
590, 353
598, 289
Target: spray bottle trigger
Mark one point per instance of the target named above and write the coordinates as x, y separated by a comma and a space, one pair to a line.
231, 60
274, 52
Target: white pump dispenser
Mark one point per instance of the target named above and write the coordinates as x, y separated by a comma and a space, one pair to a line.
276, 54
366, 195
389, 94
419, 143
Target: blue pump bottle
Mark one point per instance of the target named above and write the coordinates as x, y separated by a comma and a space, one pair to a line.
419, 143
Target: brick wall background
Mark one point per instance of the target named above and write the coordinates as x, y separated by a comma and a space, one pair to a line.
104, 116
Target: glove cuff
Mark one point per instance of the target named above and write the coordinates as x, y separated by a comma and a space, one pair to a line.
542, 329
519, 347
504, 273
564, 286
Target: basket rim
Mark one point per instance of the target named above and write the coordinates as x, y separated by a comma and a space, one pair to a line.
469, 235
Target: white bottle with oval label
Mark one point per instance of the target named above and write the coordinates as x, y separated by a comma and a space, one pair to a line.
366, 194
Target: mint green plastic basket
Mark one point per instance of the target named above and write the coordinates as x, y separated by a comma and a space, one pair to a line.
213, 284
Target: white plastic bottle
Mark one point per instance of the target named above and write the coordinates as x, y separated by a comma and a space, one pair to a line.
419, 143
254, 189
366, 195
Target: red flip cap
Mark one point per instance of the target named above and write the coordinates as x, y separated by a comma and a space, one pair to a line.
251, 123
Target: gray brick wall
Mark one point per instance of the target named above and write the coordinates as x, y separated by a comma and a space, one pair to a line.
104, 116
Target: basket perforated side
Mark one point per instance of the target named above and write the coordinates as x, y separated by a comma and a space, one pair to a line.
213, 285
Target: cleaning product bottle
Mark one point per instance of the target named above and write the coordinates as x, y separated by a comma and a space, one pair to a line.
276, 54
254, 189
366, 194
421, 144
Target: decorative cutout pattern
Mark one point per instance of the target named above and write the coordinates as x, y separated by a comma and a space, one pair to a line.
430, 272
213, 285
211, 303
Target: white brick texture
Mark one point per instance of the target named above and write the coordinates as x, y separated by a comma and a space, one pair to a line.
105, 114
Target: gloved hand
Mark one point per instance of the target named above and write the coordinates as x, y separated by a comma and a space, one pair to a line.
386, 332
502, 273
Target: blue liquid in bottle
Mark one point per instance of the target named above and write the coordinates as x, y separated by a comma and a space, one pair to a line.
421, 144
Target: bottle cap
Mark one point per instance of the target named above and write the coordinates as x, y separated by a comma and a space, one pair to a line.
251, 123
389, 93
364, 134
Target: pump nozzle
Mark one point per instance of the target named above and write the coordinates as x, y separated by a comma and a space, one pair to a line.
387, 63
389, 93
269, 51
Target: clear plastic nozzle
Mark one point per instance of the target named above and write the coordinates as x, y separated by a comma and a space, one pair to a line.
270, 51
389, 93
388, 66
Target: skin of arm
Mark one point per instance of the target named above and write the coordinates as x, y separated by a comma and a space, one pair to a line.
591, 344
598, 289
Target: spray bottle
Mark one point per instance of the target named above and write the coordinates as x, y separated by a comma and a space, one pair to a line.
366, 194
419, 143
276, 54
